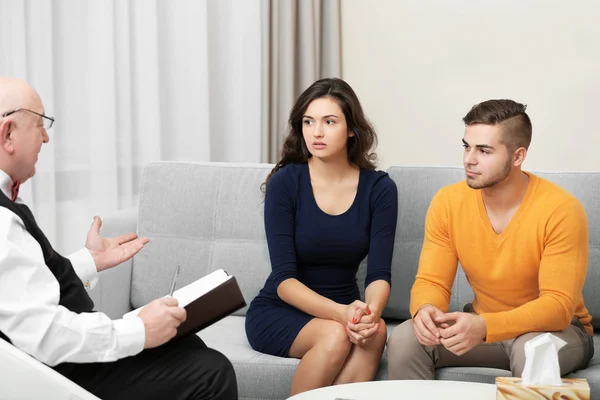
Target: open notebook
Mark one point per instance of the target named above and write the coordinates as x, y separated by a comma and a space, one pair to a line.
207, 300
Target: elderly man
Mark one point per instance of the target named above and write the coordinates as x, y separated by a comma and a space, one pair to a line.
44, 306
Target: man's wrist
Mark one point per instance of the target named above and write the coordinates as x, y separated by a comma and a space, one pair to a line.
100, 263
85, 267
483, 327
422, 307
95, 258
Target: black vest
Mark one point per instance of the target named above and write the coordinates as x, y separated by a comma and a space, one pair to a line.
73, 295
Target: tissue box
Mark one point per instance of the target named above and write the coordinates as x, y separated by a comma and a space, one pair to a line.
513, 389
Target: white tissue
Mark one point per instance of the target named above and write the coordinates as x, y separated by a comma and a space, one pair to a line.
541, 360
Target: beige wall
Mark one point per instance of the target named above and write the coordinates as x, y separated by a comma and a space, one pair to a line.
419, 66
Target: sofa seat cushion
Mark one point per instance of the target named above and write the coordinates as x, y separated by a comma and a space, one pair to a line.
260, 376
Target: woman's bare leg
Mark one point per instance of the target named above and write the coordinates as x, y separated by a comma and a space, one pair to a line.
323, 346
362, 363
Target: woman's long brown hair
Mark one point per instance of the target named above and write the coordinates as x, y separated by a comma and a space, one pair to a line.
359, 146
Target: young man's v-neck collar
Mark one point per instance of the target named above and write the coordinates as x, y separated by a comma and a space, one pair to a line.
489, 229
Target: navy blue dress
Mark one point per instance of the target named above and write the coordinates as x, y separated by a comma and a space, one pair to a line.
320, 250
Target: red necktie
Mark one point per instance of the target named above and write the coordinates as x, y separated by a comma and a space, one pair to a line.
15, 190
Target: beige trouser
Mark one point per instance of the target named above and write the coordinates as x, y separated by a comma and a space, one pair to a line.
408, 359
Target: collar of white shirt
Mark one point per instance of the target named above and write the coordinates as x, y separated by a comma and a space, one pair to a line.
6, 184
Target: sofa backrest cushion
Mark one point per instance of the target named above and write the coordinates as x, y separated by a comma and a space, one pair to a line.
203, 217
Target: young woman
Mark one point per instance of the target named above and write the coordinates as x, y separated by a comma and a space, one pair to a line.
326, 208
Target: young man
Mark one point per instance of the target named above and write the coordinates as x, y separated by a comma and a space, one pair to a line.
523, 244
44, 306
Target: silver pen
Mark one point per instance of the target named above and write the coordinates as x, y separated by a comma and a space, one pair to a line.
174, 281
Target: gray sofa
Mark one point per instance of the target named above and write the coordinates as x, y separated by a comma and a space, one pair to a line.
208, 216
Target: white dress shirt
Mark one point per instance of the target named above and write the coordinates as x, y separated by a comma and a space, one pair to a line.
29, 294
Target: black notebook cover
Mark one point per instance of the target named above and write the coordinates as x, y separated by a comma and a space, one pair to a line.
213, 306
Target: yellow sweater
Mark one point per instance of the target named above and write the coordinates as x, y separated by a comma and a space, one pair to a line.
527, 279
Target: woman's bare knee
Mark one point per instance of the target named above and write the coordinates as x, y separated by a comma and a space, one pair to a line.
335, 340
329, 336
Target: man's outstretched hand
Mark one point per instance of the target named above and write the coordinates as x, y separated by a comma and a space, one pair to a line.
108, 253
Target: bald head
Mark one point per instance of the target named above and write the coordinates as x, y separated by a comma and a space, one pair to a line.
22, 131
16, 93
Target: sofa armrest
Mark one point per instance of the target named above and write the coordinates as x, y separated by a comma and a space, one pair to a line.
112, 293
24, 377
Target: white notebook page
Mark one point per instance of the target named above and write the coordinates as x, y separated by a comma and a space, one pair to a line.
196, 289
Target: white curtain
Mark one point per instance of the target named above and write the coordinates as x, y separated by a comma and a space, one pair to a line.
129, 83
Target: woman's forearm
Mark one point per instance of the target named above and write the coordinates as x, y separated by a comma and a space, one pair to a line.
377, 295
298, 295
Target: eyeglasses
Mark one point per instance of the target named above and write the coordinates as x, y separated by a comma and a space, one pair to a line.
48, 121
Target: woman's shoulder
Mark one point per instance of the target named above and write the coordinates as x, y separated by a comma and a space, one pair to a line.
380, 188
378, 179
286, 176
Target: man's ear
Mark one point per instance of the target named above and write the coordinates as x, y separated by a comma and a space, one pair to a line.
519, 156
6, 128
